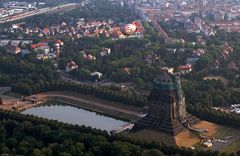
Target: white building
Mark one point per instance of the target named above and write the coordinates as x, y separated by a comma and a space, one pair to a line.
98, 75
105, 51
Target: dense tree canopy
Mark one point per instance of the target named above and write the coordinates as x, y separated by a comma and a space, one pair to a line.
28, 135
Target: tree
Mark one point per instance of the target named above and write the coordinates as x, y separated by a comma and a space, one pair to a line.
139, 83
204, 62
1, 101
152, 152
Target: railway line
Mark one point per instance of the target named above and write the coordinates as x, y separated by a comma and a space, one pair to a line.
38, 12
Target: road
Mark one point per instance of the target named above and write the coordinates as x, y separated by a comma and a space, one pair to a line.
106, 82
218, 146
38, 12
160, 30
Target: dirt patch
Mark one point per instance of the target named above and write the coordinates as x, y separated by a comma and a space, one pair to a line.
186, 139
211, 127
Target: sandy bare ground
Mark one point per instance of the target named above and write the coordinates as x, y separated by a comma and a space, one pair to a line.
186, 139
91, 101
211, 127
11, 103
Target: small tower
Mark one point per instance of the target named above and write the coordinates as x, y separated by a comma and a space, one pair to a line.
166, 109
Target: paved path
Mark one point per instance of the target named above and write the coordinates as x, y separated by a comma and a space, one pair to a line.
4, 90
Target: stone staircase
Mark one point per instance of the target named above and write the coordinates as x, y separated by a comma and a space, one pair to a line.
171, 127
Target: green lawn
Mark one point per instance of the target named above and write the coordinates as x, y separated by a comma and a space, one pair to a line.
233, 147
151, 135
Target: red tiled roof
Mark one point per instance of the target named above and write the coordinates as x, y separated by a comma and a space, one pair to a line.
184, 67
46, 30
71, 64
59, 42
33, 46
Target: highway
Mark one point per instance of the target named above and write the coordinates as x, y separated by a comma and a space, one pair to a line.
38, 12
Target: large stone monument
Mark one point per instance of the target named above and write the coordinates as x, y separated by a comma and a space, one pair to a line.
166, 109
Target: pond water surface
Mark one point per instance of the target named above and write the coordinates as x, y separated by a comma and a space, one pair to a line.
75, 115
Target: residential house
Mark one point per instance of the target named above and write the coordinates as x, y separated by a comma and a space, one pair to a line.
225, 51
168, 69
184, 69
4, 42
88, 57
151, 58
12, 50
96, 75
208, 144
232, 66
41, 57
105, 52
46, 31
41, 46
117, 33
197, 53
15, 43
71, 66
46, 56
24, 43
61, 43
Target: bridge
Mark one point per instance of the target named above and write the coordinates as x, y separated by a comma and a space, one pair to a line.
127, 126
